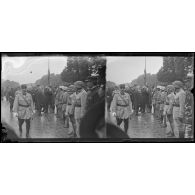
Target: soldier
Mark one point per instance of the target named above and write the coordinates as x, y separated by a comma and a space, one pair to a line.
168, 108
158, 97
70, 108
23, 109
58, 101
137, 96
80, 104
162, 104
64, 104
178, 108
122, 107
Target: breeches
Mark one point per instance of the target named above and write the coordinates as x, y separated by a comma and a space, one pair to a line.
126, 123
27, 121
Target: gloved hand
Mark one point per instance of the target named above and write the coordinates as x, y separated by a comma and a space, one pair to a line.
15, 114
114, 114
34, 111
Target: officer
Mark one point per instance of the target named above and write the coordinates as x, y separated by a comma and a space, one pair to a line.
179, 107
70, 108
23, 109
122, 107
168, 108
80, 104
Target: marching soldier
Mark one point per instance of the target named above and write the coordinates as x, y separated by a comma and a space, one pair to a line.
80, 104
122, 107
178, 108
70, 108
11, 98
58, 101
168, 108
23, 109
162, 104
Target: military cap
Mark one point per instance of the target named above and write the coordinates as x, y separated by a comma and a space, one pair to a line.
71, 88
79, 84
177, 84
170, 87
122, 86
23, 86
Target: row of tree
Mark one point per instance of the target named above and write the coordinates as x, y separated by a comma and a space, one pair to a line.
82, 67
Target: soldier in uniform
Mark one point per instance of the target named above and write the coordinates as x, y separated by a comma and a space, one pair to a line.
23, 109
122, 107
178, 108
70, 108
80, 104
168, 108
58, 102
64, 104
162, 104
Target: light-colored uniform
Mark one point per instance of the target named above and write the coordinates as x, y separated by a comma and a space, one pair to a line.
80, 108
22, 107
178, 111
122, 105
168, 108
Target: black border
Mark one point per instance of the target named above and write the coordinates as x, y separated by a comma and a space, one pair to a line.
110, 140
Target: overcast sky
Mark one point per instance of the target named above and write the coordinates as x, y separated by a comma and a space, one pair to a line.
125, 69
19, 68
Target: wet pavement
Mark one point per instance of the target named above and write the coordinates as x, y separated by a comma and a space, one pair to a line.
45, 126
145, 126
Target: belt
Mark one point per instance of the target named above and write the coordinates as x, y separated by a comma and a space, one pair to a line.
23, 105
69, 104
176, 105
122, 105
77, 105
167, 103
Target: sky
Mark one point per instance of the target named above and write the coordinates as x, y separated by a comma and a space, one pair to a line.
125, 69
29, 69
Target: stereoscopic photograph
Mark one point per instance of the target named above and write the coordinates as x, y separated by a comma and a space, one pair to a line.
150, 96
52, 97
109, 97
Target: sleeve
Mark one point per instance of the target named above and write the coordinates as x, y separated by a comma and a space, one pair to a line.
31, 103
114, 103
83, 104
182, 99
15, 107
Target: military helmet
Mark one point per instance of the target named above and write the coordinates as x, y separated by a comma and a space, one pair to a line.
178, 84
79, 84
71, 88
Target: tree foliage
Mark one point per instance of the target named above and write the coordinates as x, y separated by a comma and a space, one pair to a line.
81, 67
175, 68
151, 80
9, 84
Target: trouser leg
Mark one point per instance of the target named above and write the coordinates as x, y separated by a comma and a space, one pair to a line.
126, 124
72, 120
20, 123
170, 120
78, 127
27, 127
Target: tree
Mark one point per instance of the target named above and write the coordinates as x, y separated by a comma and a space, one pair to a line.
175, 68
81, 67
151, 80
9, 84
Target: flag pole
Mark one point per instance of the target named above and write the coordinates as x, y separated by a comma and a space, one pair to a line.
48, 73
145, 72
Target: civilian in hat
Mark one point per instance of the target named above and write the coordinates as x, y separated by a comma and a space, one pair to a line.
23, 109
179, 108
80, 104
122, 107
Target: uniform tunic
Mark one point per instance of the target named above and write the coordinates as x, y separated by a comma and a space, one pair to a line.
22, 107
80, 104
70, 104
168, 109
122, 105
